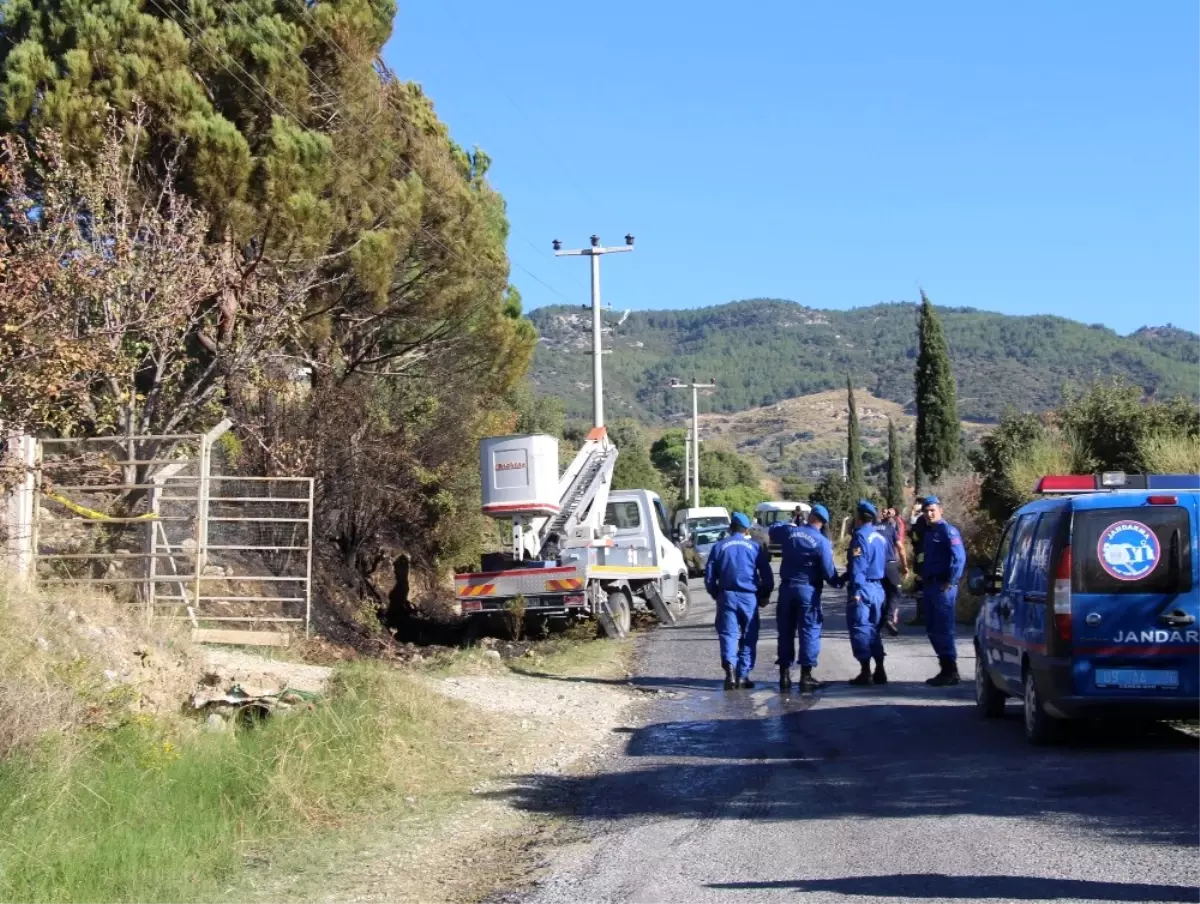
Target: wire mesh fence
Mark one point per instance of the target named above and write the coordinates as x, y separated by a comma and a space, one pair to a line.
146, 519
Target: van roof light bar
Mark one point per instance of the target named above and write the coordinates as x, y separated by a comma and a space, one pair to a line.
1055, 484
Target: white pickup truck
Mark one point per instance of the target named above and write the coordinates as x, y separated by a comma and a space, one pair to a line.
614, 550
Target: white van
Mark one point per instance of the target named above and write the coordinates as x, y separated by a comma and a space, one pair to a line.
767, 514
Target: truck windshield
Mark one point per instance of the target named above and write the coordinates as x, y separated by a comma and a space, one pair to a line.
1132, 550
699, 524
769, 518
623, 515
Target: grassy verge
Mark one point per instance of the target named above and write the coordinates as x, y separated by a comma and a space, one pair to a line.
151, 812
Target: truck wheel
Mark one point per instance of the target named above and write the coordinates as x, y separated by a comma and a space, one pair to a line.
618, 620
683, 599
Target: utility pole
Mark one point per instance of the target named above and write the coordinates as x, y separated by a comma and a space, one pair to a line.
594, 253
687, 470
694, 386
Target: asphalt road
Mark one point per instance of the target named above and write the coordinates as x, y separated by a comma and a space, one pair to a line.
873, 794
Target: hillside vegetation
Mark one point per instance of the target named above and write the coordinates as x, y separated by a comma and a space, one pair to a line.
763, 351
806, 436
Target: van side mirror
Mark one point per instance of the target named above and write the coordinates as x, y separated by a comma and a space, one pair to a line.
977, 582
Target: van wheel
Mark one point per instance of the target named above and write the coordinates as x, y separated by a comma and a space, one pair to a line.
617, 621
1040, 727
989, 699
683, 599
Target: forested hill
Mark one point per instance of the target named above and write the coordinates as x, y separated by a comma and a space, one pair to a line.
761, 351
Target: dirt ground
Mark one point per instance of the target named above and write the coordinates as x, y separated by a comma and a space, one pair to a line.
558, 722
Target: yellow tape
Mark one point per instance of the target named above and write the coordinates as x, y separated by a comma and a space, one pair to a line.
92, 514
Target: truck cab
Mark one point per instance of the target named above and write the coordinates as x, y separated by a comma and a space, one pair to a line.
639, 521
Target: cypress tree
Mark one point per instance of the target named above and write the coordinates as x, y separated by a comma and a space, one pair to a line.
854, 472
938, 427
895, 482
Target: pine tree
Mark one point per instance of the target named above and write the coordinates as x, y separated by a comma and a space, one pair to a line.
895, 482
854, 473
938, 426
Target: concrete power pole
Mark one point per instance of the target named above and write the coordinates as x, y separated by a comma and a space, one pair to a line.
694, 386
687, 471
594, 253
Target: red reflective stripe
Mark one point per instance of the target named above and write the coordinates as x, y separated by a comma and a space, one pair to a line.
516, 572
521, 507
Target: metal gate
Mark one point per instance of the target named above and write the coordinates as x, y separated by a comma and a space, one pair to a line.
145, 518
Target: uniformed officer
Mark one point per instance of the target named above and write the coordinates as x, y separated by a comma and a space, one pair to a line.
864, 598
806, 565
945, 557
738, 576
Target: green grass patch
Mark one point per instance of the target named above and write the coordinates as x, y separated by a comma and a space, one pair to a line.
158, 811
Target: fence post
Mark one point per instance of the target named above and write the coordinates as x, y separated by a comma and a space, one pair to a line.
19, 505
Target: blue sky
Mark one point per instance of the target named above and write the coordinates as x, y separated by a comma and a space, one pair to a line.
1023, 157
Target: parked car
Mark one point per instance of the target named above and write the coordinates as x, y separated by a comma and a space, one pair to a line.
696, 531
1091, 604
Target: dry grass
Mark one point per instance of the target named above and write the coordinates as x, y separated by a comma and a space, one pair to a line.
1178, 454
72, 660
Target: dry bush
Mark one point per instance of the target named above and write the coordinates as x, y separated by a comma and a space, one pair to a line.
70, 659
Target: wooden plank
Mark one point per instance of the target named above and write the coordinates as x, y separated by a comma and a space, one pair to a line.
243, 638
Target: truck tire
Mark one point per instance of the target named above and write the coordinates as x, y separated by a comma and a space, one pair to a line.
617, 621
683, 599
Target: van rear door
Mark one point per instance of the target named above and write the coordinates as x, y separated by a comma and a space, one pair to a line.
1135, 604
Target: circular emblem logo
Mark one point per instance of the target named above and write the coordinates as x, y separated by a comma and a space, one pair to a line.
1128, 550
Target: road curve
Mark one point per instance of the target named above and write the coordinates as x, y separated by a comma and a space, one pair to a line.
859, 795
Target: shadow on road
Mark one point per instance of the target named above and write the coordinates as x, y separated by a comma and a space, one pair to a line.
875, 760
935, 886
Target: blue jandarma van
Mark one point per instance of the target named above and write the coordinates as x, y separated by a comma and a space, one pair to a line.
1091, 607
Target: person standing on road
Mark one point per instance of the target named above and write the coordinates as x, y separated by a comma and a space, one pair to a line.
738, 576
945, 560
864, 599
896, 566
919, 528
806, 564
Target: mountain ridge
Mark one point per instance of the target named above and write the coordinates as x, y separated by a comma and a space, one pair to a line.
762, 351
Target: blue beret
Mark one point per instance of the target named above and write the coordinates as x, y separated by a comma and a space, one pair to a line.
740, 520
865, 508
821, 512
932, 500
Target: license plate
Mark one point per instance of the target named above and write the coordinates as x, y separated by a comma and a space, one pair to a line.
1137, 678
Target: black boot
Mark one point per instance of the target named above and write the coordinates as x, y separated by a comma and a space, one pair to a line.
891, 628
785, 679
807, 681
730, 684
948, 676
880, 676
745, 683
864, 677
